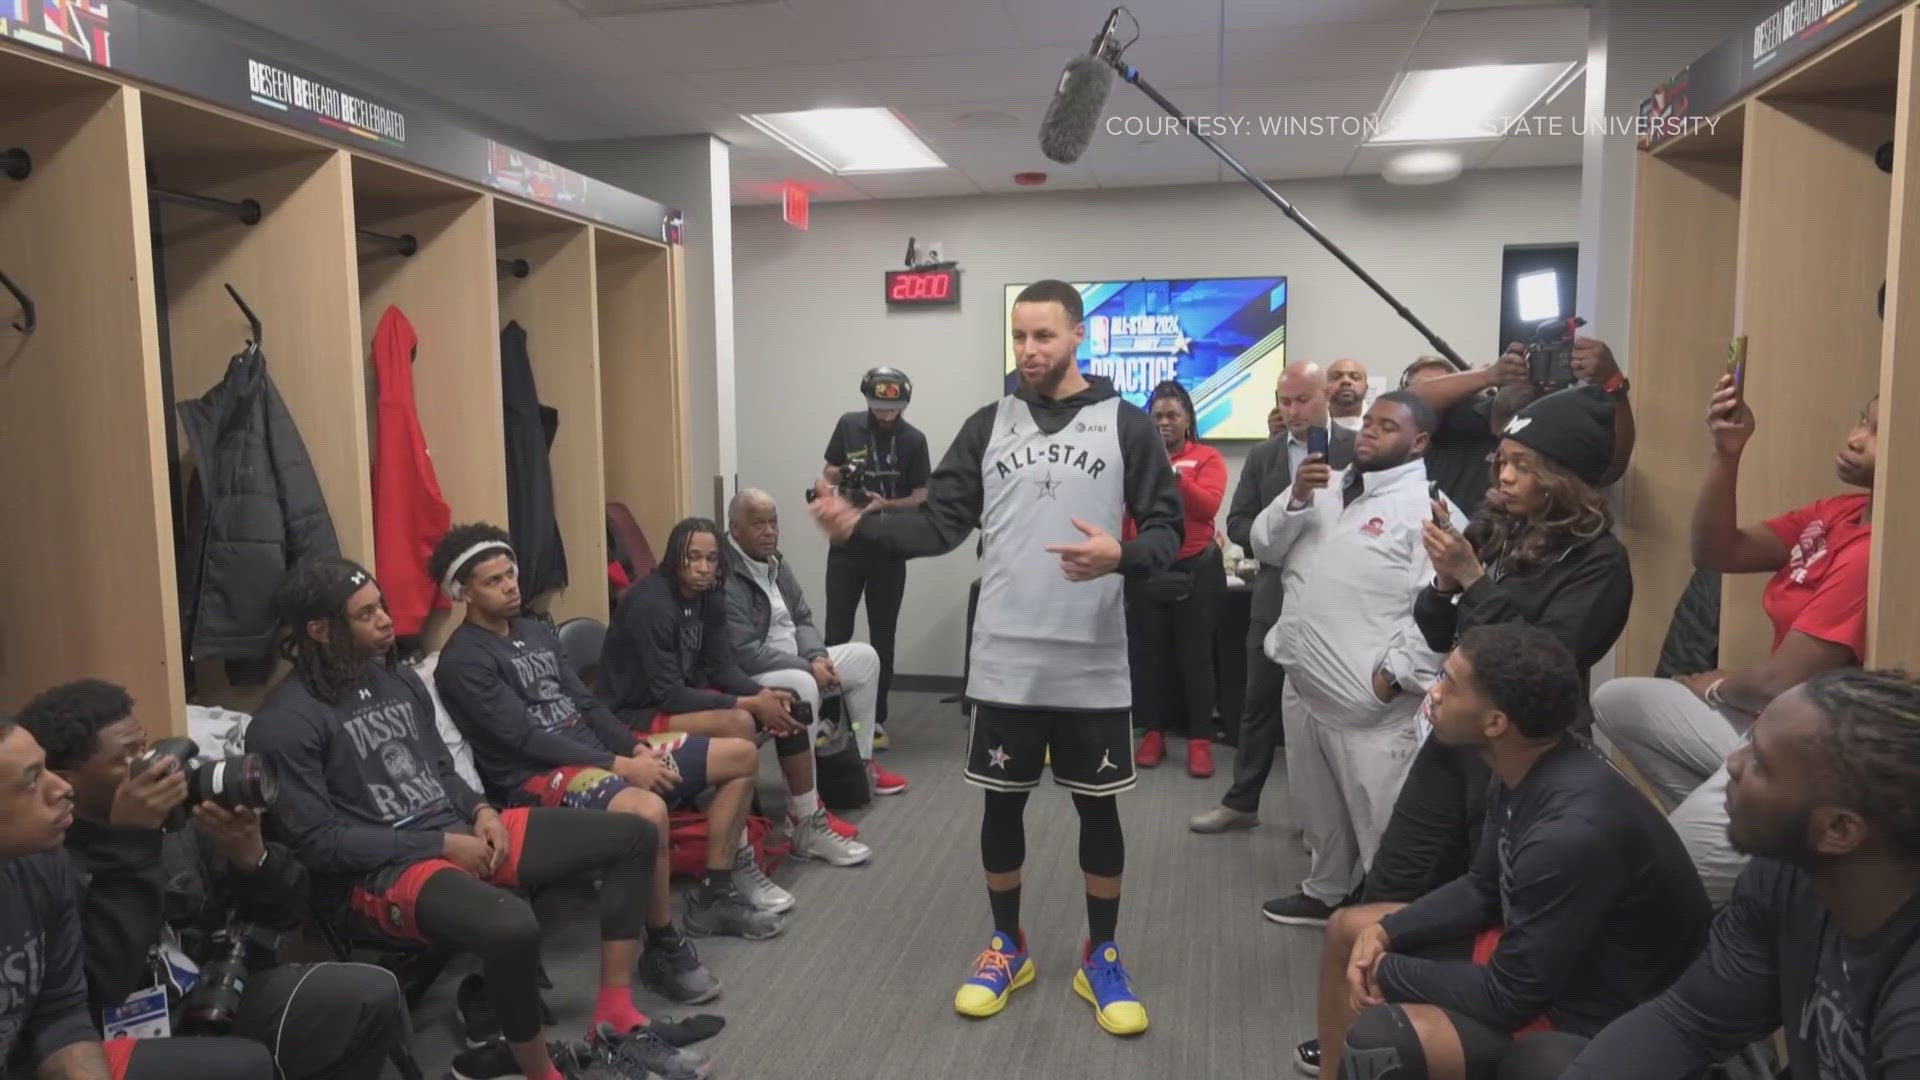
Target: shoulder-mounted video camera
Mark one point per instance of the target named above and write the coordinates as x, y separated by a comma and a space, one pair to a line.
1550, 355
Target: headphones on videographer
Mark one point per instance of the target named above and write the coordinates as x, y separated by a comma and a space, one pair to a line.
886, 388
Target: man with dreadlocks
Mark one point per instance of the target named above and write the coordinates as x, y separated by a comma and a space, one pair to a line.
540, 738
1819, 937
401, 849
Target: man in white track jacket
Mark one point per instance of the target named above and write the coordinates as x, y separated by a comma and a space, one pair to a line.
1357, 666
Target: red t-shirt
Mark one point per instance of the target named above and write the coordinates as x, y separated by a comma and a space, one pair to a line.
1822, 591
1202, 473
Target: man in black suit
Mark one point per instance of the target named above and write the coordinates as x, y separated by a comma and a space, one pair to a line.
1300, 405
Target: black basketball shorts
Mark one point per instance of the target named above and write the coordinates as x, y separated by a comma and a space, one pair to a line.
1092, 752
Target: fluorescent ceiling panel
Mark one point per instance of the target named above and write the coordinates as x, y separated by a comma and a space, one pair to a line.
1455, 104
848, 142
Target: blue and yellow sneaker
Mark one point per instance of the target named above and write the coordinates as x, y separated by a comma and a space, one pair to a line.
999, 971
1103, 982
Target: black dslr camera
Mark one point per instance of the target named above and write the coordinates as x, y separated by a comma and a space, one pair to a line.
854, 486
210, 1008
1550, 356
244, 781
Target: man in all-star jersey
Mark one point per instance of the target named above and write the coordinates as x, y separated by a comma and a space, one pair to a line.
1048, 473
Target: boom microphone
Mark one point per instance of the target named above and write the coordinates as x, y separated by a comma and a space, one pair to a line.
1081, 99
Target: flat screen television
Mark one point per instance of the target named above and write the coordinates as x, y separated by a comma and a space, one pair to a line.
1224, 339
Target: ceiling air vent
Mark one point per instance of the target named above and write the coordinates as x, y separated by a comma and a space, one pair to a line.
647, 7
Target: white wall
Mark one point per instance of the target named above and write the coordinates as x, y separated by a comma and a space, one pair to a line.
812, 317
692, 174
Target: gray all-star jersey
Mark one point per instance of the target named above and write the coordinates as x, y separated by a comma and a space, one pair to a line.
1022, 469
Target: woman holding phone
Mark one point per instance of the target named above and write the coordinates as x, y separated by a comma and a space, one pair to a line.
1172, 611
1541, 551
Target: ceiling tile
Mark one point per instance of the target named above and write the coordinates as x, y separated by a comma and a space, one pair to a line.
513, 56
875, 28
1537, 150
927, 185
1286, 57
785, 89
1138, 176
1076, 24
1270, 14
443, 14
1002, 184
924, 80
719, 39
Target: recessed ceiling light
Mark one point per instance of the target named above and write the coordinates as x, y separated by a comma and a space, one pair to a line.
987, 118
849, 141
1538, 294
1422, 167
1457, 104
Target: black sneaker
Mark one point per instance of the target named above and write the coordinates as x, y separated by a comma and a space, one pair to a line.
478, 1025
696, 1028
726, 913
676, 973
1297, 910
1306, 1057
642, 1052
576, 1061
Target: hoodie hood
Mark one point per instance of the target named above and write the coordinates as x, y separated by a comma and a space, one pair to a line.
1099, 388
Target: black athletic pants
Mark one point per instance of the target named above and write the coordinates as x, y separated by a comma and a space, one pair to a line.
884, 582
326, 1021
1175, 690
1430, 838
456, 910
1260, 732
189, 1059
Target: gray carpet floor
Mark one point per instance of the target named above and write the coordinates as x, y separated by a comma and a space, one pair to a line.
860, 986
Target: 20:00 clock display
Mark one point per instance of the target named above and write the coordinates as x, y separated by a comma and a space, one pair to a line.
923, 288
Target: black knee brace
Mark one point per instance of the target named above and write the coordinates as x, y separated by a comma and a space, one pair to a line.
791, 745
1382, 1045
1003, 832
1103, 847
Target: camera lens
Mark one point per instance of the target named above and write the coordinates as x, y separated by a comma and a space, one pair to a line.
232, 783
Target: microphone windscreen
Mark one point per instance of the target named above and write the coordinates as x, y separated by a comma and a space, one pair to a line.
1078, 104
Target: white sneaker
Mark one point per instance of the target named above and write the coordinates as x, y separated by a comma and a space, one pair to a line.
756, 886
813, 838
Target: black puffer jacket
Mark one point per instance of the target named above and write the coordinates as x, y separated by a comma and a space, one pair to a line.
254, 510
530, 428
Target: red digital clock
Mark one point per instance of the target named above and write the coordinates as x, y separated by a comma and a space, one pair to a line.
923, 288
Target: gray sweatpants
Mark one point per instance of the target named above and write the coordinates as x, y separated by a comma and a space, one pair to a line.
1344, 777
1680, 745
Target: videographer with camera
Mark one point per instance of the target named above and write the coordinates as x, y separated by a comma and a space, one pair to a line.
185, 903
890, 458
1558, 358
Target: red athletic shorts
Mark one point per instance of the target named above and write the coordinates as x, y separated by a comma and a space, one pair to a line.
387, 899
1483, 945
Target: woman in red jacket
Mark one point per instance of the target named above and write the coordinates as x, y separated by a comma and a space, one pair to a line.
1173, 610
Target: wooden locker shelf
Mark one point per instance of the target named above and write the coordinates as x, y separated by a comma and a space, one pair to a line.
446, 290
555, 303
642, 385
90, 542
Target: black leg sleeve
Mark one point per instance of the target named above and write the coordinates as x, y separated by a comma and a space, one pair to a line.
567, 844
1003, 832
326, 1021
1103, 846
463, 913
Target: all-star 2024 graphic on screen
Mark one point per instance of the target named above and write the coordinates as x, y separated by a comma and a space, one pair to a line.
1224, 339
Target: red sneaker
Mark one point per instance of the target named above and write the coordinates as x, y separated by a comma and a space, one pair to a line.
884, 782
1152, 748
1199, 758
840, 828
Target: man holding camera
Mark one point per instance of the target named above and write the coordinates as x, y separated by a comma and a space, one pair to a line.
183, 915
46, 1028
893, 455
1458, 458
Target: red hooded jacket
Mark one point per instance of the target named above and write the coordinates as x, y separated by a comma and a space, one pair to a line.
409, 514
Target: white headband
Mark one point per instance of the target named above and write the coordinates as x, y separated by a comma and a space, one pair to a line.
451, 583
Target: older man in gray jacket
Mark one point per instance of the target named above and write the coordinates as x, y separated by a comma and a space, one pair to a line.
774, 639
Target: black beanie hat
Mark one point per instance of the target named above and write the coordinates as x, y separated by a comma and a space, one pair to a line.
1571, 427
